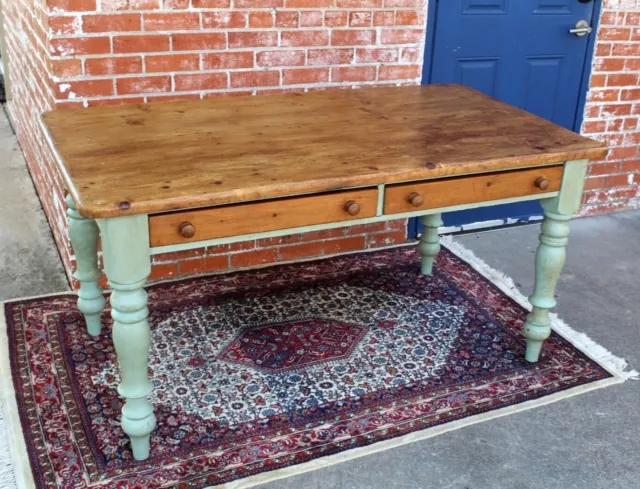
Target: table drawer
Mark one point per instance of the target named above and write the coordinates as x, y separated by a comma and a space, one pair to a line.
257, 217
432, 194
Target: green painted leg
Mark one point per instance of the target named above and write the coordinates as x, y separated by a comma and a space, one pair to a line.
84, 238
550, 255
125, 247
429, 245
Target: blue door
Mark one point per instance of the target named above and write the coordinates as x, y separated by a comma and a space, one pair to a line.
519, 51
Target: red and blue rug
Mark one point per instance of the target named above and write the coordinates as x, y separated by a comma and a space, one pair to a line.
264, 370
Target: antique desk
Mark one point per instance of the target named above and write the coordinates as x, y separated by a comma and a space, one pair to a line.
169, 176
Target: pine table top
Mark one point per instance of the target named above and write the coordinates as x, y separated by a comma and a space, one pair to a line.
146, 158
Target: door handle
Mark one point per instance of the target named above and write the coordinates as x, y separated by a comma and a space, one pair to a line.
582, 28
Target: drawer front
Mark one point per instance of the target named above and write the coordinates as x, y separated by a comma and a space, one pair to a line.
257, 217
408, 197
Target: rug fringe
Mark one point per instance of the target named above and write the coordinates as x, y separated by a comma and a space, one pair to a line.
615, 365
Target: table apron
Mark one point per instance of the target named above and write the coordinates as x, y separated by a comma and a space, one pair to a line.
352, 222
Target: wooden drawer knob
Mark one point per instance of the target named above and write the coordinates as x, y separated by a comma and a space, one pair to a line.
415, 199
187, 230
542, 183
352, 207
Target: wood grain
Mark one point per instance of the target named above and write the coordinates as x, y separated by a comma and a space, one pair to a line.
156, 157
471, 189
239, 219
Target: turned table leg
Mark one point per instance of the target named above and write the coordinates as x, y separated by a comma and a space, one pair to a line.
125, 248
550, 255
429, 245
84, 233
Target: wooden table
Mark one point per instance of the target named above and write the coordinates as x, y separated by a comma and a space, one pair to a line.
169, 176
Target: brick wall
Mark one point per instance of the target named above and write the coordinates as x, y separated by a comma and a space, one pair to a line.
613, 108
79, 53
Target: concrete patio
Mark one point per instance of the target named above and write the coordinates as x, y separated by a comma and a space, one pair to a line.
587, 441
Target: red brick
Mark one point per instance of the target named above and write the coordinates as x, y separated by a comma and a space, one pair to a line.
593, 183
252, 39
411, 55
300, 250
359, 3
240, 246
216, 61
308, 3
252, 258
631, 166
80, 46
286, 19
334, 18
325, 234
374, 227
409, 17
615, 109
304, 38
140, 44
177, 255
66, 68
111, 23
330, 56
199, 41
384, 17
220, 20
377, 55
603, 169
598, 81
84, 88
353, 37
175, 4
386, 239
71, 5
622, 79
143, 84
261, 19
344, 245
610, 95
404, 3
172, 62
163, 271
255, 79
360, 19
201, 81
113, 66
211, 3
624, 152
173, 21
65, 25
630, 94
353, 73
280, 58
591, 127
617, 181
402, 36
144, 4
311, 18
204, 264
625, 49
609, 64
259, 3
299, 76
278, 240
399, 72
614, 34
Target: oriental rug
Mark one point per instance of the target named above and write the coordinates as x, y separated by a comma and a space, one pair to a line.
264, 373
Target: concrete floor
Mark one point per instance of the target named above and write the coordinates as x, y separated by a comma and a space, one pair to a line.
588, 441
